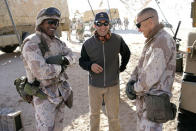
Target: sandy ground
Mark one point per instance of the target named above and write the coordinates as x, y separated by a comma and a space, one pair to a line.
77, 118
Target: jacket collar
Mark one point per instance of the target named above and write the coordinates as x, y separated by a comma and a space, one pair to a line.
103, 38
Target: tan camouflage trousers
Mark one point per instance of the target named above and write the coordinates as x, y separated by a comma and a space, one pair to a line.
49, 116
111, 98
143, 124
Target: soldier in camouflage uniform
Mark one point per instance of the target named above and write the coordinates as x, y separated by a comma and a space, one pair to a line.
155, 71
80, 31
49, 112
126, 23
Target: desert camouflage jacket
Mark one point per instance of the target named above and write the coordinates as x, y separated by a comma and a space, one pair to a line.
155, 71
50, 76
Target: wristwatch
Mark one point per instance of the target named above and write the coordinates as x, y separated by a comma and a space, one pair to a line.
63, 58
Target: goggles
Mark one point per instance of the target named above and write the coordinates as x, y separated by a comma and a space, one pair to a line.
99, 24
53, 22
51, 12
139, 24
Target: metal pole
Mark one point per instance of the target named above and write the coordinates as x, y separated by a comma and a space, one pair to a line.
175, 35
13, 24
91, 7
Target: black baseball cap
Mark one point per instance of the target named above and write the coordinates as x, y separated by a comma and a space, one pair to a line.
101, 16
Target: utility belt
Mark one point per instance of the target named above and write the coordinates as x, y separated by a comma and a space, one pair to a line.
27, 90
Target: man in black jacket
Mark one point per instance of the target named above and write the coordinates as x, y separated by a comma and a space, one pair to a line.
100, 56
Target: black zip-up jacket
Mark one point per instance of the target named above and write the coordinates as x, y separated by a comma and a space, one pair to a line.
107, 56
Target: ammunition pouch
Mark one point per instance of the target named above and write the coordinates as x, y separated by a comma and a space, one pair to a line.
27, 90
67, 94
159, 109
69, 101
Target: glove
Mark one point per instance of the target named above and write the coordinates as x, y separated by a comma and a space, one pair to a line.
58, 59
131, 94
122, 68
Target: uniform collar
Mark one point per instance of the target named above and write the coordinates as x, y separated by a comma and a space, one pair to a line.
154, 32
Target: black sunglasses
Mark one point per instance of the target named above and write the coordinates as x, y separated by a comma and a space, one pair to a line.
139, 24
53, 22
99, 24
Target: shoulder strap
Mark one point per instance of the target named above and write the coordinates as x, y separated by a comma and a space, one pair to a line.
43, 45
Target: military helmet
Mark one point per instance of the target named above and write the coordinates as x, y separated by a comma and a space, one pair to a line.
47, 13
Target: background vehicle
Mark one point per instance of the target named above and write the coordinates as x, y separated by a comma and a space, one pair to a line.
24, 15
187, 106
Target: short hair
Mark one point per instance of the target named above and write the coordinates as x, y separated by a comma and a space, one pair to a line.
150, 11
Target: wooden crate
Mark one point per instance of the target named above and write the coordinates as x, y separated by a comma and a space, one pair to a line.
10, 120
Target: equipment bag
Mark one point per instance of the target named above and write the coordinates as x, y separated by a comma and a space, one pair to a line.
27, 90
67, 94
20, 84
159, 108
69, 101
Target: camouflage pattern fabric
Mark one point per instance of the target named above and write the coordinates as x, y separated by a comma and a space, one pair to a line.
52, 79
154, 74
49, 117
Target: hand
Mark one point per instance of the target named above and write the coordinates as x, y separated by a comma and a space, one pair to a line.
131, 83
96, 68
131, 94
57, 59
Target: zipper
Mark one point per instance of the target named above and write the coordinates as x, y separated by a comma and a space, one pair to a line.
104, 66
